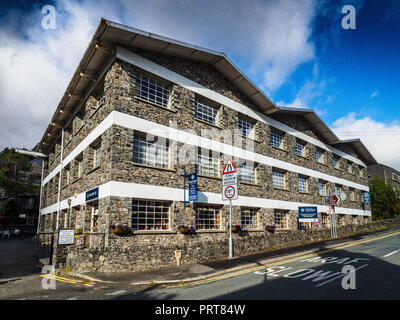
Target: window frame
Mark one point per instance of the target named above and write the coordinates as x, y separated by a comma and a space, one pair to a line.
252, 215
216, 220
143, 215
144, 80
151, 152
206, 111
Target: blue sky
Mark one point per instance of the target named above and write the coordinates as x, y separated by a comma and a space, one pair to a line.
296, 51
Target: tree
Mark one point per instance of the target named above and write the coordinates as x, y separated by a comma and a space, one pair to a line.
385, 203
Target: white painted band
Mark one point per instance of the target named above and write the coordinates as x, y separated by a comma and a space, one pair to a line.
144, 191
131, 122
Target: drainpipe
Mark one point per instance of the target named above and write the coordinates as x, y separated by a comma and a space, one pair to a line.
59, 179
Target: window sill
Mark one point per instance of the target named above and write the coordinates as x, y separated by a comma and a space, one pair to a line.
209, 177
308, 193
152, 167
274, 188
277, 148
304, 157
250, 183
209, 123
155, 104
210, 231
253, 230
141, 232
93, 170
77, 179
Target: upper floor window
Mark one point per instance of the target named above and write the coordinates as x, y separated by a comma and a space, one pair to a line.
335, 162
319, 155
300, 148
278, 179
152, 90
302, 180
245, 127
208, 163
321, 188
276, 139
247, 172
349, 167
97, 156
206, 112
151, 151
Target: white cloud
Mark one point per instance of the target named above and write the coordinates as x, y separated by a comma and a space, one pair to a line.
374, 94
270, 38
381, 139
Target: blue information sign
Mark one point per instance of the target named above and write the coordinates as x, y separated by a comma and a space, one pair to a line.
92, 194
193, 186
308, 214
366, 198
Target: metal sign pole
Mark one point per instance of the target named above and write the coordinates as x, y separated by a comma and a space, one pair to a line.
230, 230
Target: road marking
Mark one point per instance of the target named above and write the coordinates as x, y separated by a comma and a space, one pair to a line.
67, 280
241, 272
389, 254
115, 293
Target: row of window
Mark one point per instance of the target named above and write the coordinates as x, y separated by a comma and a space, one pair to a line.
154, 215
157, 92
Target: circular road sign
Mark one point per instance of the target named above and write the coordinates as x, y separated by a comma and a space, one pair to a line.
229, 192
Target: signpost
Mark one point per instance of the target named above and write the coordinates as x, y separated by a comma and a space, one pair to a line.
229, 192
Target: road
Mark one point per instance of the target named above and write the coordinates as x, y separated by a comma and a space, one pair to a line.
375, 262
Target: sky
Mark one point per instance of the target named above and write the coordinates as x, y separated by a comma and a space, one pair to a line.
296, 51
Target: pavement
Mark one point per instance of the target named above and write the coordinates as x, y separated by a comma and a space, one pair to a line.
217, 268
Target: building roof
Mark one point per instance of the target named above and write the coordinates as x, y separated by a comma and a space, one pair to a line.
361, 149
100, 53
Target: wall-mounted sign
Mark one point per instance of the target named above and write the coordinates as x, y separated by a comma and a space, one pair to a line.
92, 194
66, 236
308, 214
366, 198
193, 196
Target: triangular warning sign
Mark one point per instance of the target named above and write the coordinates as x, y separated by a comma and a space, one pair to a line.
229, 167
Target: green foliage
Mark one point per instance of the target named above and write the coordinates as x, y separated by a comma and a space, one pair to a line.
385, 202
10, 163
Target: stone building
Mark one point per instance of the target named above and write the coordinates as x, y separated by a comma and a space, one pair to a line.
385, 172
139, 111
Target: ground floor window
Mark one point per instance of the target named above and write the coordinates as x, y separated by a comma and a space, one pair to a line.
150, 215
325, 218
281, 219
249, 217
208, 217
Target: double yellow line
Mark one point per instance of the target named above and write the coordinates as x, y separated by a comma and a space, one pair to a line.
67, 280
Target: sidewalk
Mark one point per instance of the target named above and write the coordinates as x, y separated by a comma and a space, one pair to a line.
197, 272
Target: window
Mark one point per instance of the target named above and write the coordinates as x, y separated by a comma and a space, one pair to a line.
325, 220
247, 172
276, 139
208, 163
249, 217
79, 168
352, 194
205, 112
319, 155
300, 149
280, 219
150, 215
335, 162
152, 90
349, 167
302, 181
151, 151
97, 156
338, 189
67, 176
208, 217
278, 179
322, 188
244, 127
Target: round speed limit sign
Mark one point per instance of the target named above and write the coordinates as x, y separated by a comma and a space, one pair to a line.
230, 192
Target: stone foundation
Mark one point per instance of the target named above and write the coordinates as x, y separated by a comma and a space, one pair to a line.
149, 252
